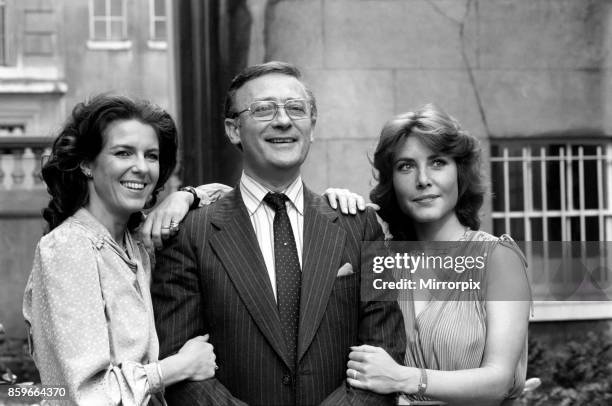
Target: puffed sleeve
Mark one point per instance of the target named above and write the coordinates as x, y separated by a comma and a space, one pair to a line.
64, 308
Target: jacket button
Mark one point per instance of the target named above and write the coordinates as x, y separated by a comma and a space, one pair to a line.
287, 380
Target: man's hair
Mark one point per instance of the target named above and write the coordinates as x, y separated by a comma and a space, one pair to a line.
442, 134
256, 71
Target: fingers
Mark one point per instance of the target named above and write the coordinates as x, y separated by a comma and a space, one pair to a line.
205, 337
361, 203
366, 348
352, 377
156, 230
344, 202
145, 233
355, 366
332, 197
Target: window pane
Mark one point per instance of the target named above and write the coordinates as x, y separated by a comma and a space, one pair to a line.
554, 229
497, 185
116, 30
516, 186
99, 30
160, 30
575, 234
498, 227
536, 179
517, 229
592, 229
99, 8
116, 8
537, 233
2, 34
553, 183
160, 8
590, 178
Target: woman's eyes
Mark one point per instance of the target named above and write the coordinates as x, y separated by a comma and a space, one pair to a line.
437, 163
405, 166
152, 156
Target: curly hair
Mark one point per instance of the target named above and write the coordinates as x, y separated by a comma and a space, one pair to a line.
442, 134
81, 139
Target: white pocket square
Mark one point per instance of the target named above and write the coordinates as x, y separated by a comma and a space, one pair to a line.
345, 270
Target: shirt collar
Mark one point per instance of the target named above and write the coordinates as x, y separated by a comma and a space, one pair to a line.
254, 192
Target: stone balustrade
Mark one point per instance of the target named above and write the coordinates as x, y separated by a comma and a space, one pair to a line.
21, 159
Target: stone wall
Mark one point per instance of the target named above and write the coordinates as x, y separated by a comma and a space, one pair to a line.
504, 68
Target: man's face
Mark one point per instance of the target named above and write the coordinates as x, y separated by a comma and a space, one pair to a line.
271, 148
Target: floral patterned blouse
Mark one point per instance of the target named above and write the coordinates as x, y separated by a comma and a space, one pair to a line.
88, 308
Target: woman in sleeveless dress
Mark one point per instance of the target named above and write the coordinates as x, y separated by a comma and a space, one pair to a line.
464, 347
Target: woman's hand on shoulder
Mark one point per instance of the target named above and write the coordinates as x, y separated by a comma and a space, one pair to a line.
348, 201
162, 222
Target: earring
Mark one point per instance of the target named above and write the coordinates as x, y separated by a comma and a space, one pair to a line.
88, 174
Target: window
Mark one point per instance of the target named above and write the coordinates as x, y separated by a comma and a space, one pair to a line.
107, 20
558, 190
157, 20
3, 34
552, 190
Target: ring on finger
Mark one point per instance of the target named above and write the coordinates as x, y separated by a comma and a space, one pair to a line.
165, 228
354, 374
216, 366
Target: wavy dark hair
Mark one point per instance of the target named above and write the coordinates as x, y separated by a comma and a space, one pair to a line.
81, 139
444, 135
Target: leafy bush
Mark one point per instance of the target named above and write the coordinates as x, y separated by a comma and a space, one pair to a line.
574, 373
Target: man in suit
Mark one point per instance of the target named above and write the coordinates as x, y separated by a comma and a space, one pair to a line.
270, 271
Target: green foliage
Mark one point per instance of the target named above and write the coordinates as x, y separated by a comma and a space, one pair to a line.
574, 373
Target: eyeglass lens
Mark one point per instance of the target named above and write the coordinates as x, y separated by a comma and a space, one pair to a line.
266, 110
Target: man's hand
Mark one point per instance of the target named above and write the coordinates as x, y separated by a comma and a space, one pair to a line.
157, 227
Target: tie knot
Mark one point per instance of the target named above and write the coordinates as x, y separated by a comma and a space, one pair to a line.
276, 200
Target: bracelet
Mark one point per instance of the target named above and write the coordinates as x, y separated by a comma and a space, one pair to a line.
422, 386
196, 199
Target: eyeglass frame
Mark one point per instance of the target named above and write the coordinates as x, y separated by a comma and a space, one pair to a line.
276, 108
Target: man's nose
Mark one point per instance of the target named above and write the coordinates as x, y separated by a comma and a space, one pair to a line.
281, 118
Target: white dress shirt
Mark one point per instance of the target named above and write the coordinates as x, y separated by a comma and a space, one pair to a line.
262, 218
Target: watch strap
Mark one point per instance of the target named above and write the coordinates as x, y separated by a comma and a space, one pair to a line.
196, 199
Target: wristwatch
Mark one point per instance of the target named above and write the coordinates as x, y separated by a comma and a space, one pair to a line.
196, 199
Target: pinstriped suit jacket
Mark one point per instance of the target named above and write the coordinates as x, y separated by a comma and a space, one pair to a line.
212, 279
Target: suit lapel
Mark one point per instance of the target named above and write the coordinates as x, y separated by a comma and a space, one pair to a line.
323, 245
236, 246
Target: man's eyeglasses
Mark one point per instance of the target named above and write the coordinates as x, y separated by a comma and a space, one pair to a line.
266, 110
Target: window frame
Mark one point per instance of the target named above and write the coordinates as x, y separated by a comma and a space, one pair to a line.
107, 42
557, 310
155, 18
